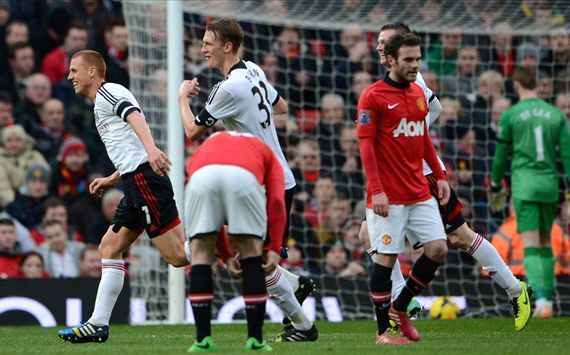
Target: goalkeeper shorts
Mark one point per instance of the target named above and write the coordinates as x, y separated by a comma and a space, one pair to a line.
534, 216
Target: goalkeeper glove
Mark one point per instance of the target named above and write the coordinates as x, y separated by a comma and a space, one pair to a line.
284, 254
498, 197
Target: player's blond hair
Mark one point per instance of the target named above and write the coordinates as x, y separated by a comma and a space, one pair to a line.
93, 58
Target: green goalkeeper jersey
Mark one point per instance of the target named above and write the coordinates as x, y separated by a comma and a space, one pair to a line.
530, 134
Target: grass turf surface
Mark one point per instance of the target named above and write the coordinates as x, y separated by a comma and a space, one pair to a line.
468, 336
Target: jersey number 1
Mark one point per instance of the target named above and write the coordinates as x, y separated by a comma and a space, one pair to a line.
262, 103
539, 143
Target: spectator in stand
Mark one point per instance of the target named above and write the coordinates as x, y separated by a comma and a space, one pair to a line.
477, 106
195, 63
95, 14
15, 32
337, 214
55, 209
32, 266
360, 59
557, 59
10, 250
348, 173
6, 110
545, 86
49, 136
295, 261
99, 225
27, 206
464, 80
307, 166
20, 66
297, 69
432, 81
336, 262
61, 255
357, 251
350, 35
498, 106
56, 63
442, 57
360, 81
90, 262
16, 156
500, 55
116, 54
528, 55
38, 91
47, 38
327, 130
69, 179
316, 207
563, 104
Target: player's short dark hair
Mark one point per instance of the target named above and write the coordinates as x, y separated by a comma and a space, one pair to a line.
93, 58
526, 76
400, 27
16, 47
7, 222
227, 30
400, 40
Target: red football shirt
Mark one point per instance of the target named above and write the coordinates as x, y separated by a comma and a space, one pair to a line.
248, 152
394, 139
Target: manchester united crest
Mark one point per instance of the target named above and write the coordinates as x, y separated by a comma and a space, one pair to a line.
421, 102
386, 239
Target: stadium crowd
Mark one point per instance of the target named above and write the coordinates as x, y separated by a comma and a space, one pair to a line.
50, 150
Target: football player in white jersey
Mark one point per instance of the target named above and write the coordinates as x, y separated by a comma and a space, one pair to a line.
246, 102
148, 203
458, 232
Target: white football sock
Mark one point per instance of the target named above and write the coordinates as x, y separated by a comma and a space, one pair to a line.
487, 256
398, 280
187, 251
110, 286
291, 277
284, 297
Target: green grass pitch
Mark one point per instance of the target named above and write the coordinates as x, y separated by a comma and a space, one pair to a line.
462, 336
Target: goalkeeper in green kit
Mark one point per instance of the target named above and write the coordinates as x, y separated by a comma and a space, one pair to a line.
529, 136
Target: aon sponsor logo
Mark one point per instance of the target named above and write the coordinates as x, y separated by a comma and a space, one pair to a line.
409, 129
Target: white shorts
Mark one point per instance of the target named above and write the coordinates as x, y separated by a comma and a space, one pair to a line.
421, 222
225, 194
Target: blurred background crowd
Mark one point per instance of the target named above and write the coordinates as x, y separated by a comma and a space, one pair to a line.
50, 150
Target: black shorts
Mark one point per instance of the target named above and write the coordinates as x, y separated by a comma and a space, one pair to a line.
451, 213
148, 203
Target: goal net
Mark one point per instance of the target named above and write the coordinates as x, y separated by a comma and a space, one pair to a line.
320, 55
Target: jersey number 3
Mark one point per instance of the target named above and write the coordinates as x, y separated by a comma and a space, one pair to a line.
263, 103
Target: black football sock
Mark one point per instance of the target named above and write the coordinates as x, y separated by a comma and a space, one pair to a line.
201, 297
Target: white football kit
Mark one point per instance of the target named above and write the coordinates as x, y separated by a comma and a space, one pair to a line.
113, 103
244, 102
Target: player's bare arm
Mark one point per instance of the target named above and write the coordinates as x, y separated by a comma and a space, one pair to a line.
280, 108
189, 89
99, 185
157, 159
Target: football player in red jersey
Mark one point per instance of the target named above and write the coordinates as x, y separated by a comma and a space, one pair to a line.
458, 232
393, 142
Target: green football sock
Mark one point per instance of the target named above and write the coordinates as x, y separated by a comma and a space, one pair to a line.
533, 269
547, 261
